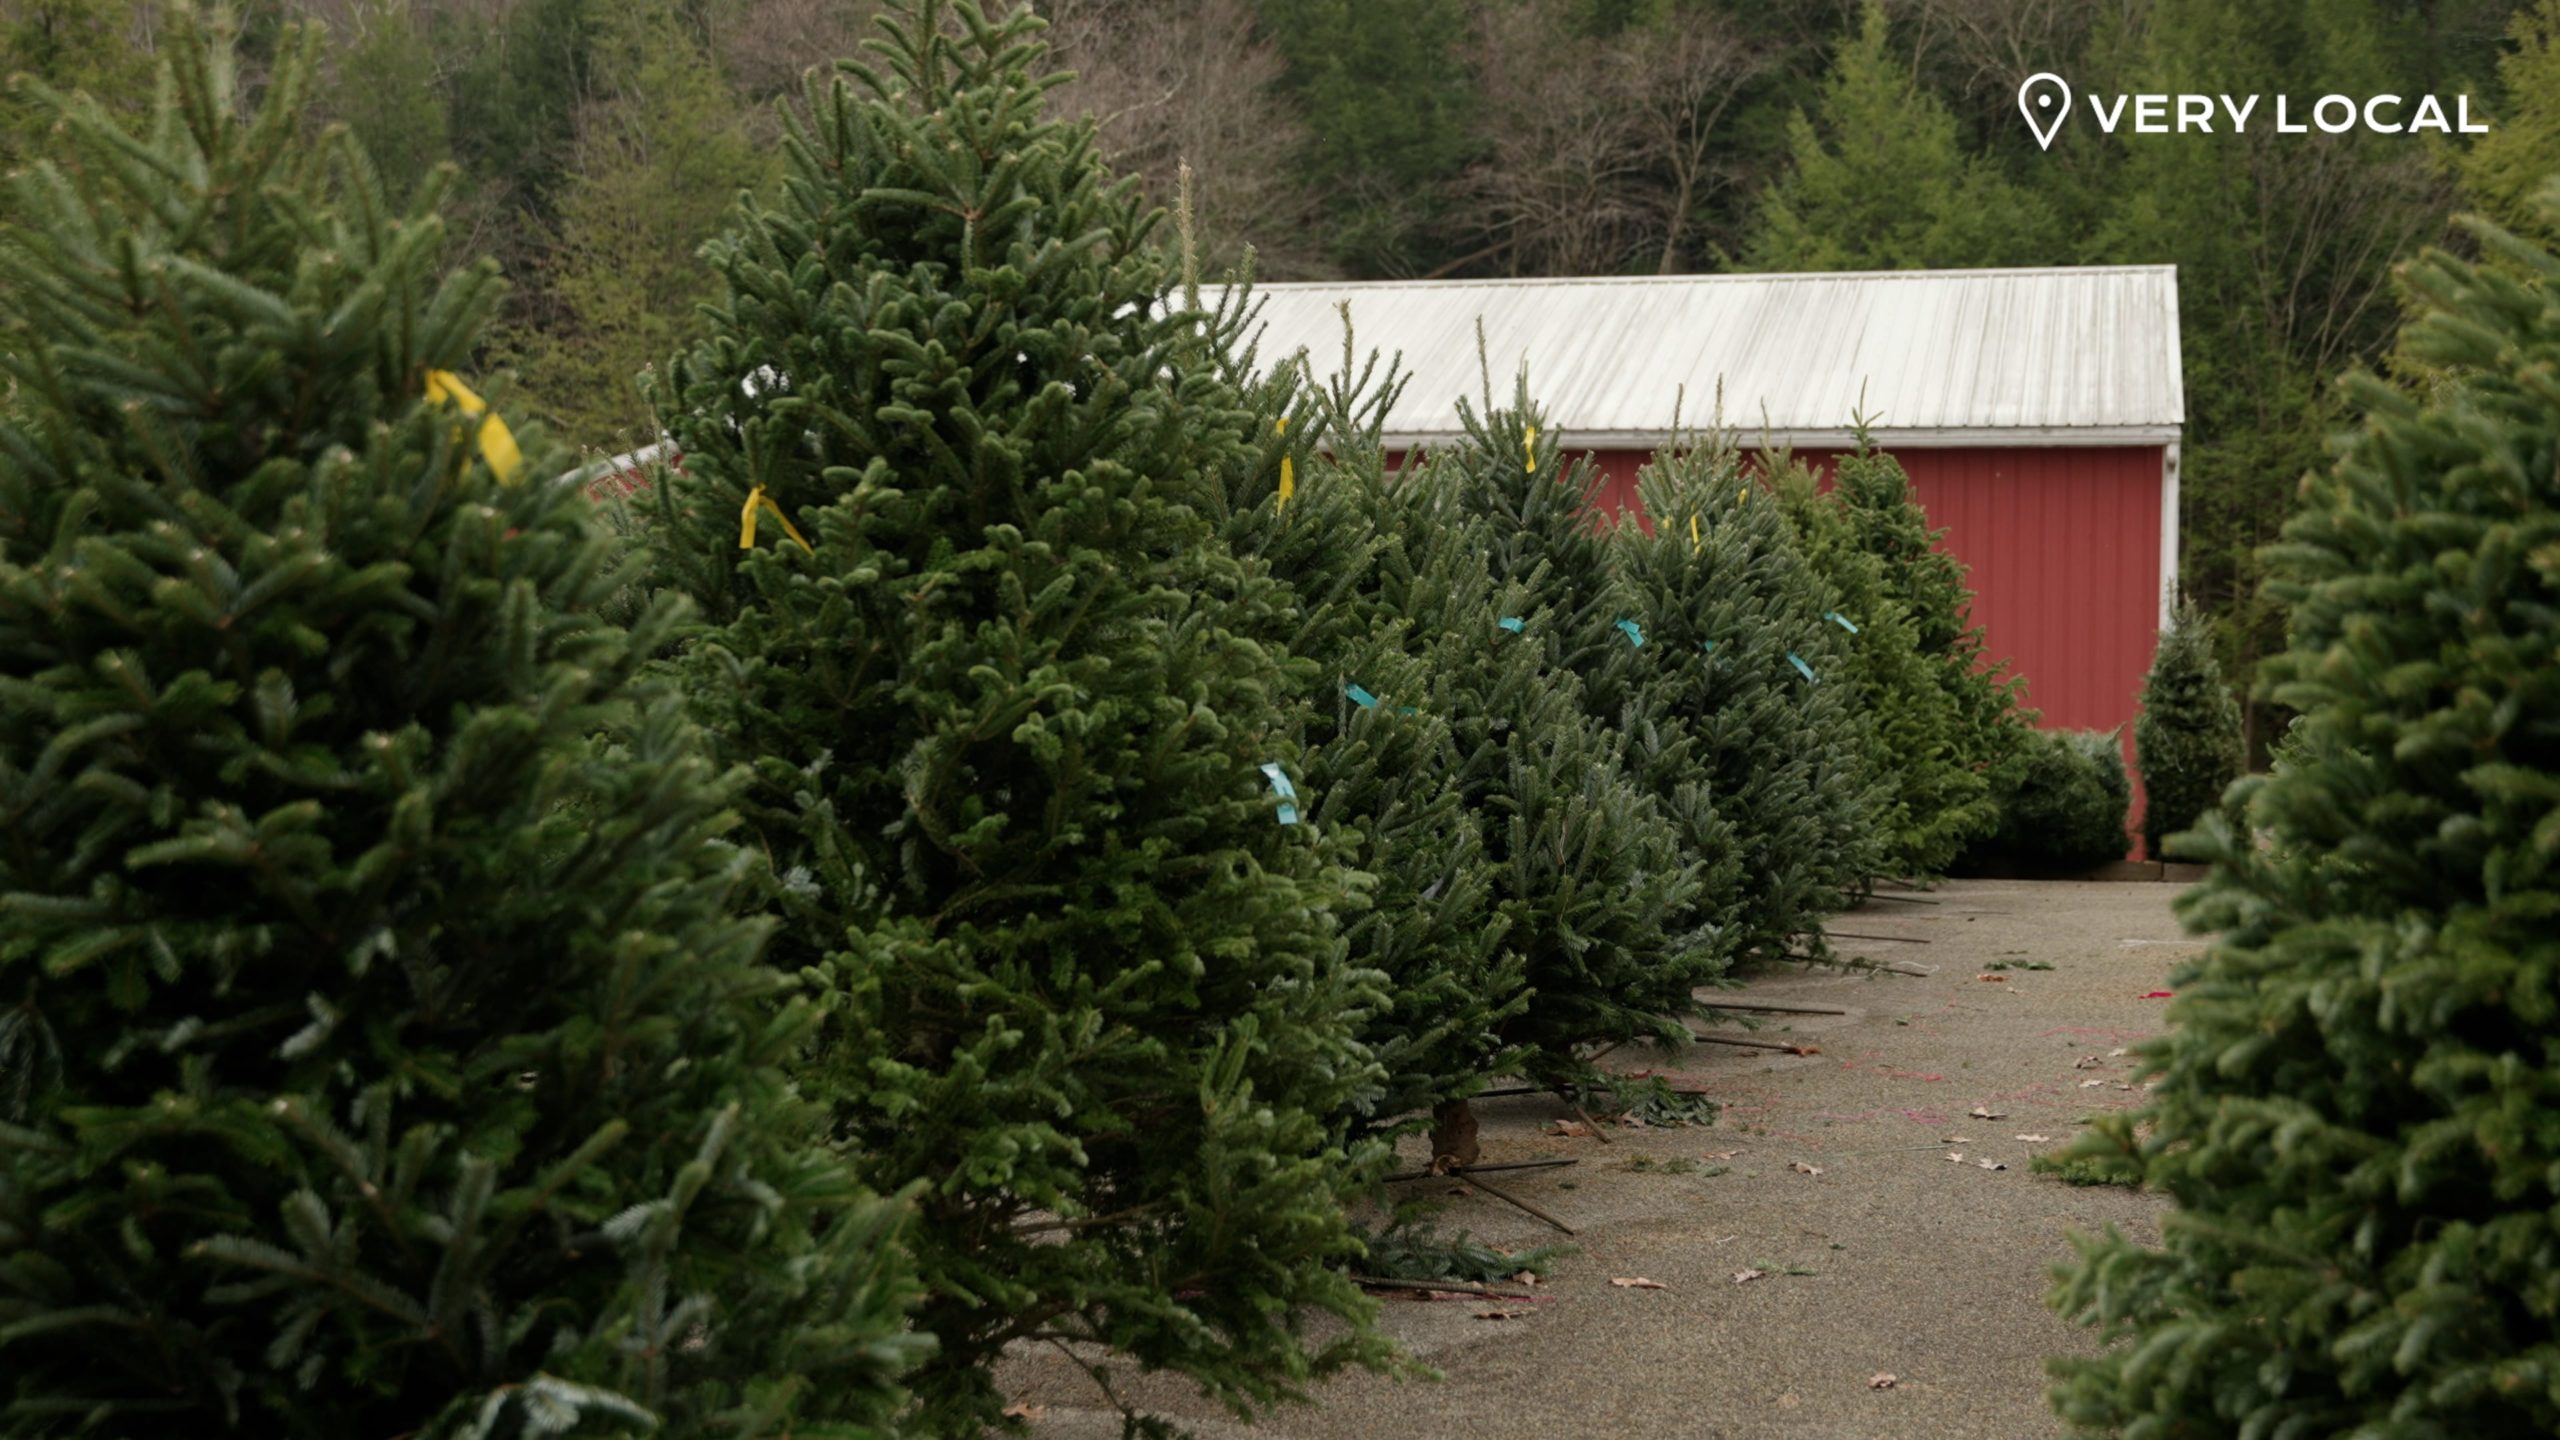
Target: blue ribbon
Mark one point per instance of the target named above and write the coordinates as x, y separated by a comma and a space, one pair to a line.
1287, 792
1836, 618
1512, 623
1360, 697
1793, 659
1707, 645
1635, 633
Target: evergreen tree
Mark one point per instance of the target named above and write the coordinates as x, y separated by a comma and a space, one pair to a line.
1928, 584
1739, 637
1381, 748
1879, 180
1026, 766
662, 152
2187, 738
1590, 873
2504, 171
2352, 1108
1543, 533
2064, 804
381, 1056
384, 91
85, 46
1931, 802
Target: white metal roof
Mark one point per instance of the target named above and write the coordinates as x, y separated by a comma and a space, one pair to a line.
1947, 357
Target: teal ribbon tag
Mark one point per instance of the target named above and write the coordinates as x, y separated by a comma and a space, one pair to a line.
1792, 658
1287, 792
1635, 633
1836, 618
1512, 623
1360, 697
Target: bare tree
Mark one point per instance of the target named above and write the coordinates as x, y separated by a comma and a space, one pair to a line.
1169, 84
1679, 83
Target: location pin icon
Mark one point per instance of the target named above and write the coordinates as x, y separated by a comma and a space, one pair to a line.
2044, 99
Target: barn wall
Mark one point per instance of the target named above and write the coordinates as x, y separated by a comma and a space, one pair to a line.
2064, 549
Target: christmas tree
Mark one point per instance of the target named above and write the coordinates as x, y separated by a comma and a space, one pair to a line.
2187, 738
2353, 1110
1589, 869
382, 1056
1886, 522
1744, 646
1027, 763
1381, 749
1932, 802
1538, 514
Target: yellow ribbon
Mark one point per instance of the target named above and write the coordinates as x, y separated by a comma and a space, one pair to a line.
1529, 447
497, 442
1742, 496
1695, 544
1288, 471
758, 500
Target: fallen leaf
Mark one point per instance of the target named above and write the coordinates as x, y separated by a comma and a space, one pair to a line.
2091, 1084
1985, 1112
1954, 1155
2156, 994
1957, 1140
1525, 1277
1745, 1277
1802, 1168
2032, 1139
1994, 979
2088, 1062
1722, 1154
1567, 1127
2122, 1086
1989, 1165
1638, 1282
1883, 1380
1025, 1412
2119, 1052
1502, 1314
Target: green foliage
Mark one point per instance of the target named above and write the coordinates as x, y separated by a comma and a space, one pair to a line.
1879, 180
1934, 793
382, 1057
1409, 1247
2186, 741
1381, 746
662, 154
1748, 662
1007, 711
69, 46
384, 90
2503, 174
2065, 804
2352, 1108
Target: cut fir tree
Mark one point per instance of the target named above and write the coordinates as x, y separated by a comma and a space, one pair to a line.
1743, 647
1026, 762
2353, 1111
380, 1056
2187, 737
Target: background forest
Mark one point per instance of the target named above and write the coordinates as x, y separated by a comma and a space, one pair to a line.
600, 140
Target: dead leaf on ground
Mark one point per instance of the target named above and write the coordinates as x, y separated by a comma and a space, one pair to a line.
1985, 1112
1994, 979
1957, 1140
1802, 1168
1567, 1127
1637, 1282
2119, 1052
2032, 1139
1525, 1277
1502, 1314
1025, 1412
1745, 1277
1989, 1165
2091, 1084
1883, 1380
2088, 1062
1955, 1155
1722, 1154
2122, 1086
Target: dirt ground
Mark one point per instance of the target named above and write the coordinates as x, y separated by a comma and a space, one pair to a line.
1877, 1253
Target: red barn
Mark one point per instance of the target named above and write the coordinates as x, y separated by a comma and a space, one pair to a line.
2037, 411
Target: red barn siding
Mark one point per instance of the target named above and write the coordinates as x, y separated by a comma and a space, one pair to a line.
2064, 549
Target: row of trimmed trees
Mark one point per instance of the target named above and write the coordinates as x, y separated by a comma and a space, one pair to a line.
1041, 775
